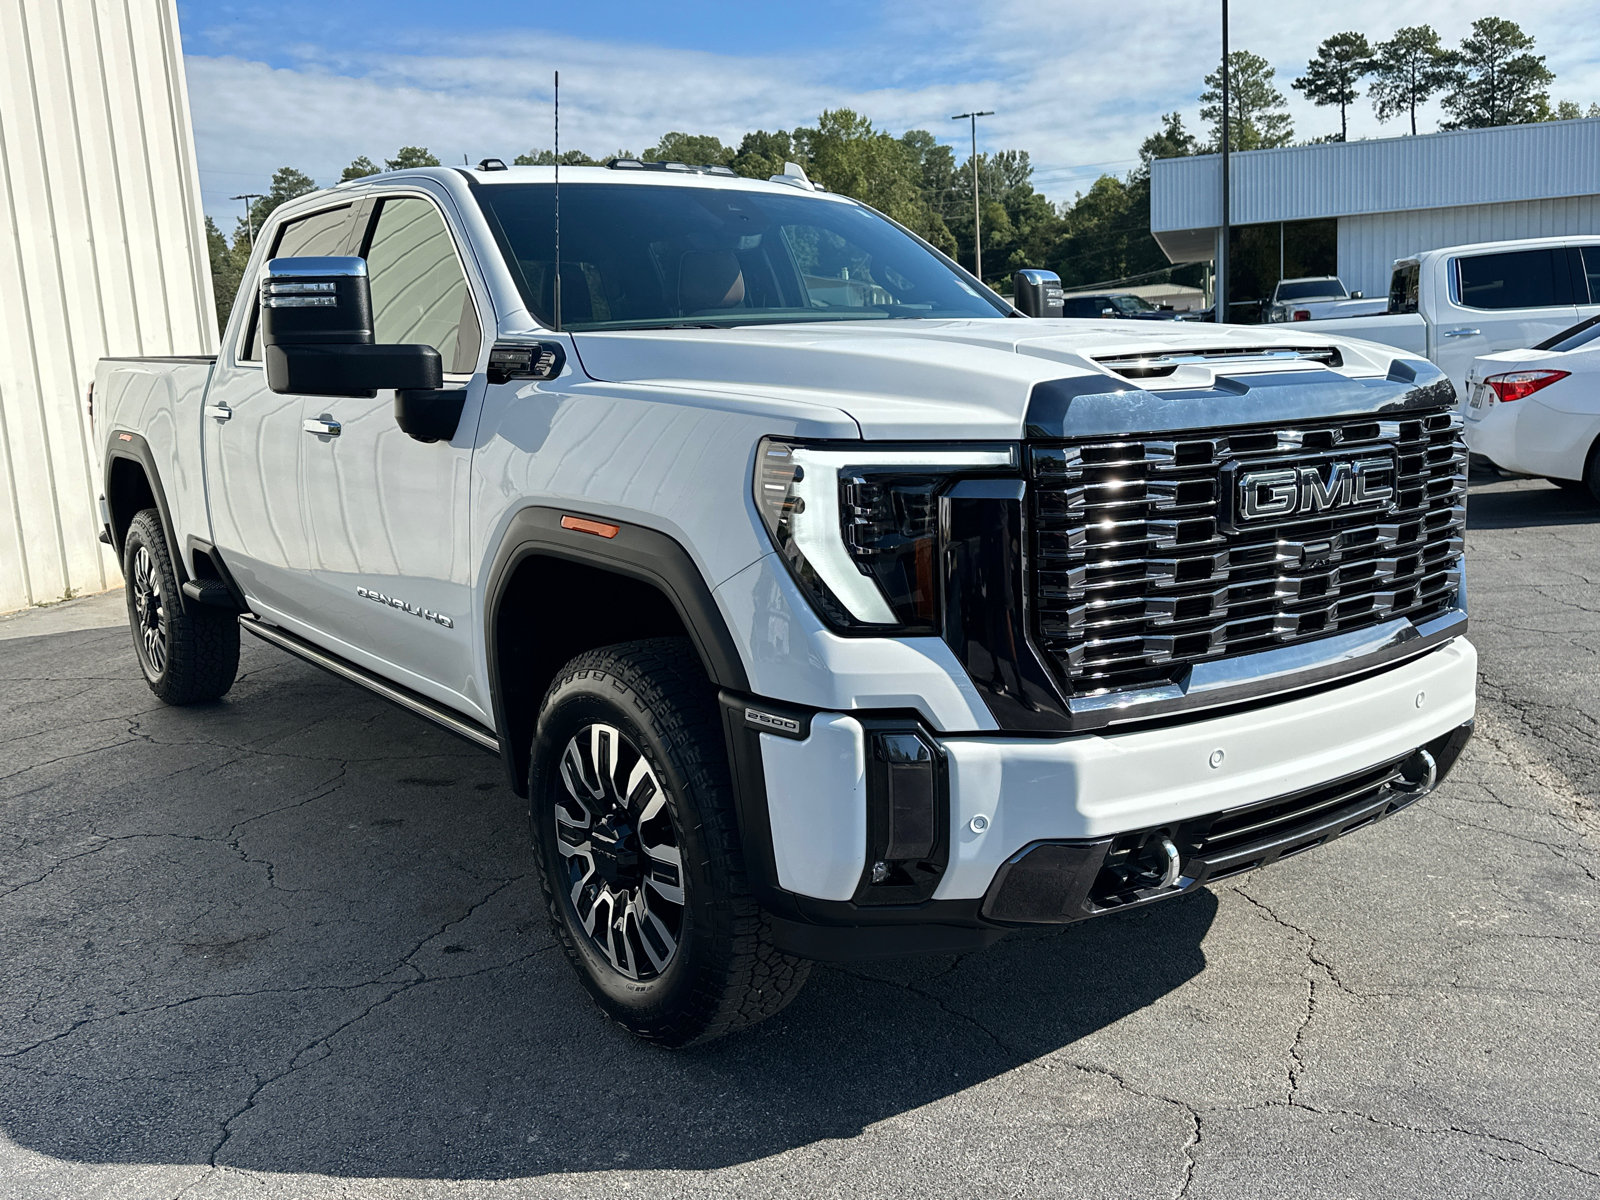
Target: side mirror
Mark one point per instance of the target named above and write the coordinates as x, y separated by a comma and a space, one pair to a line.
1038, 293
1357, 296
316, 331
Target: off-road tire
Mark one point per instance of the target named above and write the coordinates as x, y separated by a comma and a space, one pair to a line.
724, 972
189, 652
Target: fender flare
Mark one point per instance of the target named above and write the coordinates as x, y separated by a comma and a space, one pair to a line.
133, 447
636, 552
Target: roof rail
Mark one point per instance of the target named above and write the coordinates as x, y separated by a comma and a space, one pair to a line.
638, 164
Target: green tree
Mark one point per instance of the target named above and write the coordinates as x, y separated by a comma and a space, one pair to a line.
695, 150
1408, 69
1019, 225
762, 154
287, 183
408, 157
1331, 76
569, 158
1496, 80
227, 269
1172, 140
359, 169
1256, 117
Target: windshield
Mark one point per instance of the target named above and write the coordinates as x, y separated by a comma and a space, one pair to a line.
635, 256
1132, 304
1312, 289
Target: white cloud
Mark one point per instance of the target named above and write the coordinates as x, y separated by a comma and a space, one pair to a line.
1077, 85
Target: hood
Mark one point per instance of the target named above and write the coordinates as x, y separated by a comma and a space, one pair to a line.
928, 380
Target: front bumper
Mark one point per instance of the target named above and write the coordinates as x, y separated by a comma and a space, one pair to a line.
1008, 794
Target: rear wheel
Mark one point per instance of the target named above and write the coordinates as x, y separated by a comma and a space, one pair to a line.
188, 653
638, 848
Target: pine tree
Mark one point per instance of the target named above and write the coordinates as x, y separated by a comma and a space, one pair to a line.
1496, 81
359, 169
411, 156
1332, 75
1409, 68
1256, 117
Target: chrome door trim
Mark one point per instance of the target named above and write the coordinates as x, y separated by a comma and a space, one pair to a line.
461, 726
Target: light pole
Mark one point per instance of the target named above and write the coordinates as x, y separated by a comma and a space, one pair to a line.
249, 218
977, 232
1221, 280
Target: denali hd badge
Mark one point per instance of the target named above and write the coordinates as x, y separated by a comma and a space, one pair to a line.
1277, 493
427, 614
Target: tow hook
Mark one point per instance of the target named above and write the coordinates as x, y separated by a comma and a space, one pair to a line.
1418, 774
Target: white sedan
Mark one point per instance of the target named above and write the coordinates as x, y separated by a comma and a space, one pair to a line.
1537, 412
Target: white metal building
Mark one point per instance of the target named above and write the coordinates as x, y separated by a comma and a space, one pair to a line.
1391, 197
102, 251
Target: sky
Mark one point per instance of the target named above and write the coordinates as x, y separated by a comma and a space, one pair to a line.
1078, 85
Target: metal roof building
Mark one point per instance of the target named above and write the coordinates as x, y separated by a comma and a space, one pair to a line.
102, 251
1391, 197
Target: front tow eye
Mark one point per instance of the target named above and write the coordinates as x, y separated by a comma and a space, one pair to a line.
1170, 874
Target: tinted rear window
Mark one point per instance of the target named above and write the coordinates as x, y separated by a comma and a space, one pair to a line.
1519, 279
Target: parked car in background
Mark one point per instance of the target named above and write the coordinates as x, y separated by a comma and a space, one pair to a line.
1314, 298
1114, 306
1537, 411
1458, 303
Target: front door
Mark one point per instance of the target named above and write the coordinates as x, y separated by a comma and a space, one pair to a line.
253, 441
387, 515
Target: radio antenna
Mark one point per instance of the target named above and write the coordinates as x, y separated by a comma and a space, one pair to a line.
557, 292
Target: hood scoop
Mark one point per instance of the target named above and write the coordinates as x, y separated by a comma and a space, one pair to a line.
1160, 364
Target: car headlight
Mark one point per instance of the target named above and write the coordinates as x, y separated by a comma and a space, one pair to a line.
858, 523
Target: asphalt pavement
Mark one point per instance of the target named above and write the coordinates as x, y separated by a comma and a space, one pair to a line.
289, 946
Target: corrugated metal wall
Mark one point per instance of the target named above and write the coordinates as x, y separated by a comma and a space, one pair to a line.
1368, 245
1471, 166
102, 250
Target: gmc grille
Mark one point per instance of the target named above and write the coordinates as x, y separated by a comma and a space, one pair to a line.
1143, 561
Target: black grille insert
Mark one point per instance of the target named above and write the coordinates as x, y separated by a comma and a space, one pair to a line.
1142, 563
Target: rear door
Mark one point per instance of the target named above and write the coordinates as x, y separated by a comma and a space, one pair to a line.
386, 514
1586, 279
1506, 300
253, 441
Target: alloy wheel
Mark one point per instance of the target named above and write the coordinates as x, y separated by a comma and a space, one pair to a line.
150, 607
615, 833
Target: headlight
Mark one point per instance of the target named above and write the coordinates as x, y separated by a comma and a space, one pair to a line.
858, 523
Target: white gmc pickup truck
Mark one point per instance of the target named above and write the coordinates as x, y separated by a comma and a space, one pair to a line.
822, 604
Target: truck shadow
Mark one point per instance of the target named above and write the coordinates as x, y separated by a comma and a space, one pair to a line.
363, 983
1494, 502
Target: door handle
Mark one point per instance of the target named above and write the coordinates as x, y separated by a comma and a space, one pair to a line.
1461, 333
320, 426
219, 411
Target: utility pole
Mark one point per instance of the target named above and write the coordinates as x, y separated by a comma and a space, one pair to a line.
977, 233
249, 216
1225, 242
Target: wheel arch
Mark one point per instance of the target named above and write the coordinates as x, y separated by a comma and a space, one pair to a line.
132, 484
578, 591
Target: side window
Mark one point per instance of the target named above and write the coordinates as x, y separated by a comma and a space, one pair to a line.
1520, 279
320, 234
1403, 285
419, 291
1591, 271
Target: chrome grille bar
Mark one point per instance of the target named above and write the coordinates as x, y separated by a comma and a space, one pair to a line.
1138, 573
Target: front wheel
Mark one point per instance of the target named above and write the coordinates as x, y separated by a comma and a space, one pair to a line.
188, 654
638, 849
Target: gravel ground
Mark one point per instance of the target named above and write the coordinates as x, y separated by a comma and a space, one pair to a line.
288, 946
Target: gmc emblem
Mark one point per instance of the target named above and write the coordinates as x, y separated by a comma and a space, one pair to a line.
1282, 492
